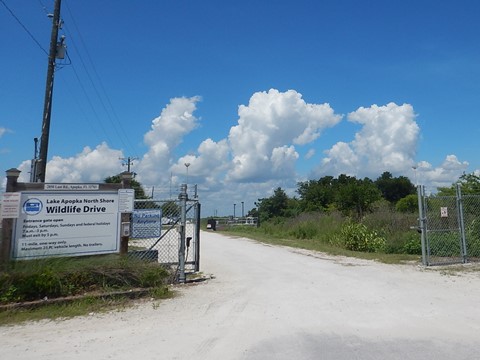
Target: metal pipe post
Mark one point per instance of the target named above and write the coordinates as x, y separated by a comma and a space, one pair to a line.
183, 221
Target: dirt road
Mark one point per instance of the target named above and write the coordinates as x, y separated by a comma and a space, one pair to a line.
270, 302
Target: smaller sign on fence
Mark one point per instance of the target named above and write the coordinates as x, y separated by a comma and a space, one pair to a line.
146, 223
444, 212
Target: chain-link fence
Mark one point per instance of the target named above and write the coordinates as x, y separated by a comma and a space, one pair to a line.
450, 228
167, 231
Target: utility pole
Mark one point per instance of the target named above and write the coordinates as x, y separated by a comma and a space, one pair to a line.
47, 107
34, 163
128, 162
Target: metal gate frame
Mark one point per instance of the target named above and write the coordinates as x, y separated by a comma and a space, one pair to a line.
450, 227
173, 236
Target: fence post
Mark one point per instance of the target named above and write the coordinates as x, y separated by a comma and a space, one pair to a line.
463, 241
7, 224
422, 222
197, 235
183, 221
126, 178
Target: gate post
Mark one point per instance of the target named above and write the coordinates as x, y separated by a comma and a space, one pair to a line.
183, 221
197, 236
7, 224
422, 221
126, 178
461, 224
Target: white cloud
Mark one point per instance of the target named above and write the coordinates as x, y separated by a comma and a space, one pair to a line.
88, 166
273, 121
310, 154
442, 176
259, 154
167, 131
387, 141
208, 167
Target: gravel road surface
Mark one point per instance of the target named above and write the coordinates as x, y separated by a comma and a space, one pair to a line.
268, 302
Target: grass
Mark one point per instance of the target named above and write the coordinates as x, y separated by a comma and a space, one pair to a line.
321, 232
65, 287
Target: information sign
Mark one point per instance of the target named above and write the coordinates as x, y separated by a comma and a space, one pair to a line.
10, 205
146, 223
66, 224
126, 199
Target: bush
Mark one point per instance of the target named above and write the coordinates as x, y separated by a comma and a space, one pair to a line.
408, 204
413, 245
357, 237
473, 238
304, 230
52, 278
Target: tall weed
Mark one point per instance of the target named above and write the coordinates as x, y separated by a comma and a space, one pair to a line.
357, 237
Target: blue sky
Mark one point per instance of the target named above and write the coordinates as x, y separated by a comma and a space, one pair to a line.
253, 94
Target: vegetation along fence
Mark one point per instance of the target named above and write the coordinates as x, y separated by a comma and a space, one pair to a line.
167, 231
450, 227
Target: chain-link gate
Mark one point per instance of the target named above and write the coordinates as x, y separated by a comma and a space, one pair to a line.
450, 227
167, 231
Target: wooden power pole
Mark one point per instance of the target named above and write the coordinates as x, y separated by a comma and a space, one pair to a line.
47, 108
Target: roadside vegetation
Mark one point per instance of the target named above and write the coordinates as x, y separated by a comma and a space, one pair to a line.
347, 216
65, 287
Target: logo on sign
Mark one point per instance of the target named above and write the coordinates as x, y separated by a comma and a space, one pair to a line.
32, 206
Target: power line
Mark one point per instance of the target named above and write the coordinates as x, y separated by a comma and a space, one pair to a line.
24, 27
44, 8
117, 125
90, 103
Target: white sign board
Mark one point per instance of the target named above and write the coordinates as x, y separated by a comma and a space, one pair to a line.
71, 187
126, 200
66, 224
443, 212
10, 205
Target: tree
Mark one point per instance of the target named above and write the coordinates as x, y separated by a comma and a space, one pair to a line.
470, 184
355, 197
408, 204
139, 192
394, 189
316, 195
274, 206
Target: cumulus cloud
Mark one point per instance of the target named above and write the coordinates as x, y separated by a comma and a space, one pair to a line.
167, 131
387, 141
208, 166
260, 152
268, 128
88, 166
442, 176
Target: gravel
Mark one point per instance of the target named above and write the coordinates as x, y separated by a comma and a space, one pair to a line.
270, 302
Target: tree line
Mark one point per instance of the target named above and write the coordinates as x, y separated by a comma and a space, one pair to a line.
351, 196
347, 194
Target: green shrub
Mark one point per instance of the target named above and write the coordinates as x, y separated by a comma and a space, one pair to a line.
472, 234
408, 204
357, 237
413, 245
304, 230
51, 278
